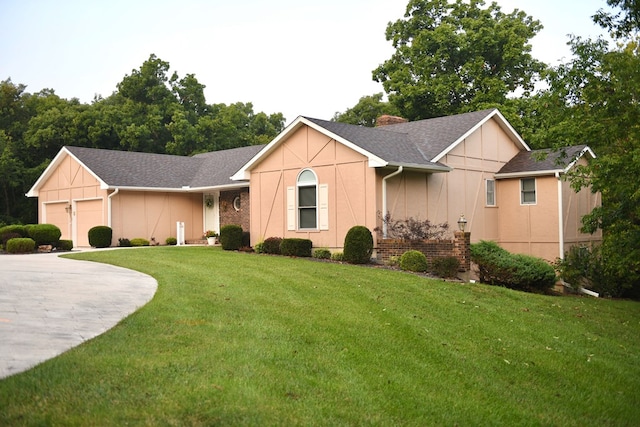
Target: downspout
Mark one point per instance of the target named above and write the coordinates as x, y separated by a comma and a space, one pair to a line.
384, 199
560, 218
109, 206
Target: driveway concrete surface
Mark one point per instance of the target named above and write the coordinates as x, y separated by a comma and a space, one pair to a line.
50, 304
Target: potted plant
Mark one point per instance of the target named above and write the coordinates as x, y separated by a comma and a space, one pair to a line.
210, 235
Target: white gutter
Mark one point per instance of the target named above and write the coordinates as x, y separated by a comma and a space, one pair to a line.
384, 199
560, 218
109, 206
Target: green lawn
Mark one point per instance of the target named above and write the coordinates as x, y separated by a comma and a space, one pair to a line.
244, 339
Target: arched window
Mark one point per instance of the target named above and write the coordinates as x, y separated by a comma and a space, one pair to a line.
307, 200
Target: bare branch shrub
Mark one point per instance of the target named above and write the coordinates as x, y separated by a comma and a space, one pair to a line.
412, 228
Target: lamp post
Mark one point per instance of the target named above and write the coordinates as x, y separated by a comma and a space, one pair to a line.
462, 222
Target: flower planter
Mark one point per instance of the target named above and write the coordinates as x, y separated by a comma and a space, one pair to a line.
211, 241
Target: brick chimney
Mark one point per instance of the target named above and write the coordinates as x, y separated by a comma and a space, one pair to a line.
386, 120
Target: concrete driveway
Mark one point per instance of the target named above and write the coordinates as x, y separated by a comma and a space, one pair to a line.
50, 304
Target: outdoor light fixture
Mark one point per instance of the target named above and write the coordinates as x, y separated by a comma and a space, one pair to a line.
462, 222
67, 208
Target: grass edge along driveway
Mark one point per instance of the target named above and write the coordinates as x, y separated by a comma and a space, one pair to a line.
243, 339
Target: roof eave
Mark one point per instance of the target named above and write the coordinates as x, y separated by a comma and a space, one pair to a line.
434, 168
183, 189
528, 174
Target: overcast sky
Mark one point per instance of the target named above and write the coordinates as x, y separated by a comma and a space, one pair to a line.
297, 57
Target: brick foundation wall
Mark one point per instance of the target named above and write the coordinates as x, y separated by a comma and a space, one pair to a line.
228, 214
459, 247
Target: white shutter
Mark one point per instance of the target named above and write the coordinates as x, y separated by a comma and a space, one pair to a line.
291, 208
323, 204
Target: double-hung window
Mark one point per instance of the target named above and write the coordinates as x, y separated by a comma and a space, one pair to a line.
307, 200
528, 191
491, 192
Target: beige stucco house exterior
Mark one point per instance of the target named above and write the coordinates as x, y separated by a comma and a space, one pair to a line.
319, 178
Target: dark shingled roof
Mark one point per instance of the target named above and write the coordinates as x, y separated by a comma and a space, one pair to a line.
147, 170
542, 160
411, 142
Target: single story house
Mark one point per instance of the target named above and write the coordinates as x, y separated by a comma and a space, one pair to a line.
319, 178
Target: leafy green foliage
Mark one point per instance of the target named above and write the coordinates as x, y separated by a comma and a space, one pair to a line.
296, 247
337, 256
322, 253
20, 245
358, 245
452, 57
272, 245
100, 236
65, 245
498, 267
413, 261
622, 23
45, 234
171, 241
445, 266
16, 229
231, 237
139, 241
366, 111
123, 242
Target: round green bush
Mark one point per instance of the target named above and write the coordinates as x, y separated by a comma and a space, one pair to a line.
171, 241
231, 237
44, 234
322, 253
139, 241
65, 245
413, 261
272, 245
100, 236
20, 245
358, 245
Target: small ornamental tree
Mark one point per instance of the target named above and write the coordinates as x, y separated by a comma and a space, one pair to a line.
358, 245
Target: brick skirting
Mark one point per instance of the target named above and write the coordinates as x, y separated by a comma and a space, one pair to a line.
459, 247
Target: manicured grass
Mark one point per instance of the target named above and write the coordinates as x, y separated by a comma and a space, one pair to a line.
243, 339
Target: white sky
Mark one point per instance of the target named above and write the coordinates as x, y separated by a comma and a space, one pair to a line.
295, 57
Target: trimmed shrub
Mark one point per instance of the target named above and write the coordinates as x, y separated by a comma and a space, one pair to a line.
413, 261
8, 236
44, 234
123, 242
296, 247
171, 241
21, 245
246, 239
139, 241
231, 237
445, 266
100, 236
498, 267
259, 248
322, 253
358, 245
65, 245
272, 245
337, 256
21, 230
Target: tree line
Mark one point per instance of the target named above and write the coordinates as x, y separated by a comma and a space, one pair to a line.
151, 111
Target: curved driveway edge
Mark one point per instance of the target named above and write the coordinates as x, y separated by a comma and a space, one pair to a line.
50, 304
